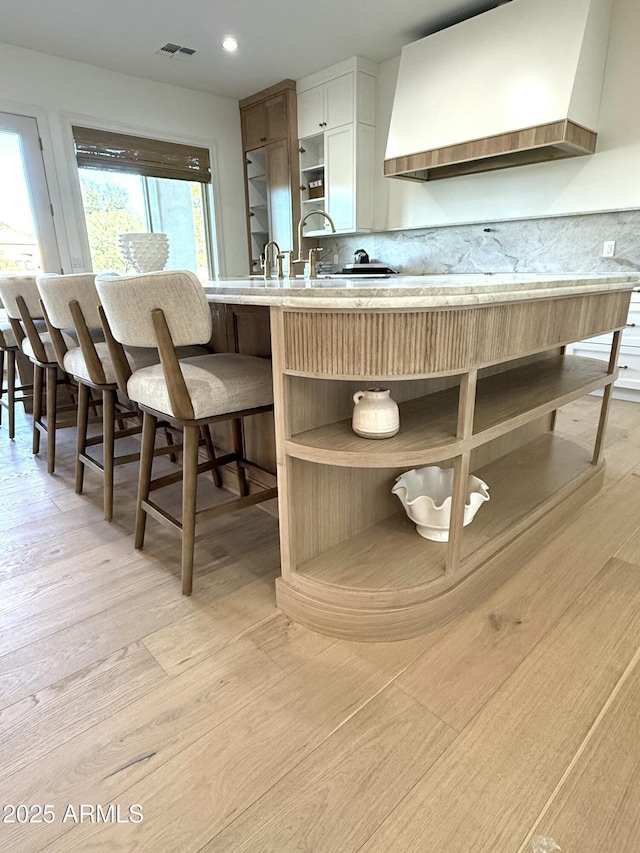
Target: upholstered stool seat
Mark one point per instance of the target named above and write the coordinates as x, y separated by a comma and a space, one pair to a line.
217, 384
7, 338
75, 362
28, 349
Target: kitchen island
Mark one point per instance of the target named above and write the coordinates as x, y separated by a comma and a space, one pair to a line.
478, 367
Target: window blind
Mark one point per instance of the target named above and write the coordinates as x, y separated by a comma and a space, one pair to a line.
120, 152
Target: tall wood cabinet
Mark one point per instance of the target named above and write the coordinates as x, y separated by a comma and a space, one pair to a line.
336, 130
269, 141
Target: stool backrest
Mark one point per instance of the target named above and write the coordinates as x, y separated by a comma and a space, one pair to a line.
128, 302
58, 291
21, 300
13, 286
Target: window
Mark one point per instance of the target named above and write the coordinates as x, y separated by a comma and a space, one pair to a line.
132, 184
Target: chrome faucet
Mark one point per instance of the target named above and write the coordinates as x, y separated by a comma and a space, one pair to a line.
312, 258
267, 262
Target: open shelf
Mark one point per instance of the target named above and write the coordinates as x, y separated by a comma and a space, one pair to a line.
523, 486
427, 434
317, 233
527, 392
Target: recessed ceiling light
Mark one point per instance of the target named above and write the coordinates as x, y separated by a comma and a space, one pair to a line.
230, 44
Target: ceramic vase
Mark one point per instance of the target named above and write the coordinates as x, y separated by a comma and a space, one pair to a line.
375, 414
145, 252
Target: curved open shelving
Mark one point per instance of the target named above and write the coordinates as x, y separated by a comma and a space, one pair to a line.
504, 401
353, 565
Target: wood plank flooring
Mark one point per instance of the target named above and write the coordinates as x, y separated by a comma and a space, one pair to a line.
237, 730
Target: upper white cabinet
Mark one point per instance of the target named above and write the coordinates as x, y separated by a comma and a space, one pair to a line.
336, 129
326, 106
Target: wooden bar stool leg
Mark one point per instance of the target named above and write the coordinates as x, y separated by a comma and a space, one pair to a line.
52, 416
211, 454
144, 475
81, 439
108, 440
238, 447
173, 457
11, 392
38, 382
191, 441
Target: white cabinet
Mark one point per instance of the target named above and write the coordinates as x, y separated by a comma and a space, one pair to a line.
627, 386
336, 128
326, 106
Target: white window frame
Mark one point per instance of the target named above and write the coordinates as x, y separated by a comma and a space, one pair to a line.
39, 197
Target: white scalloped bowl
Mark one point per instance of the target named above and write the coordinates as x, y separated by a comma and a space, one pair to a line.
425, 494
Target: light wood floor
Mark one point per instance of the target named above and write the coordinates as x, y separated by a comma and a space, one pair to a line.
236, 730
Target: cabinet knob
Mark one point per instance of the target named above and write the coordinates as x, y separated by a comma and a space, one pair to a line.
320, 124
623, 367
303, 188
263, 139
631, 325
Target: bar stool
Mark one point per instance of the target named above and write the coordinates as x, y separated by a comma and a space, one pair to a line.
72, 301
21, 300
15, 393
166, 310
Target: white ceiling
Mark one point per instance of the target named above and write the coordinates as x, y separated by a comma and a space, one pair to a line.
278, 38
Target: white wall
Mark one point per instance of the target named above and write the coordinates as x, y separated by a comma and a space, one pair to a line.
59, 92
606, 180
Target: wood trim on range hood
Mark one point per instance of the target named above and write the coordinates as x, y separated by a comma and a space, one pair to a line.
553, 141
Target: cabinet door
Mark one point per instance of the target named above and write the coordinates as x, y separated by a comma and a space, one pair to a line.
365, 173
340, 177
338, 101
310, 112
279, 190
275, 110
254, 127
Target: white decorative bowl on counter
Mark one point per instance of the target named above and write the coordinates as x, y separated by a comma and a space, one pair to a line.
145, 252
426, 493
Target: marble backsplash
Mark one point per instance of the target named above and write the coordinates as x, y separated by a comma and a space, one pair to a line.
547, 245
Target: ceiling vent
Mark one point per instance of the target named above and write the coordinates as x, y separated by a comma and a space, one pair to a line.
175, 51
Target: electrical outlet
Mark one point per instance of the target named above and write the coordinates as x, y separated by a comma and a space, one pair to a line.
609, 248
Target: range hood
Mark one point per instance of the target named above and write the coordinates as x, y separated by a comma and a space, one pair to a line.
518, 84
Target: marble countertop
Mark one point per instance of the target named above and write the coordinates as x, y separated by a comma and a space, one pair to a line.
409, 292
